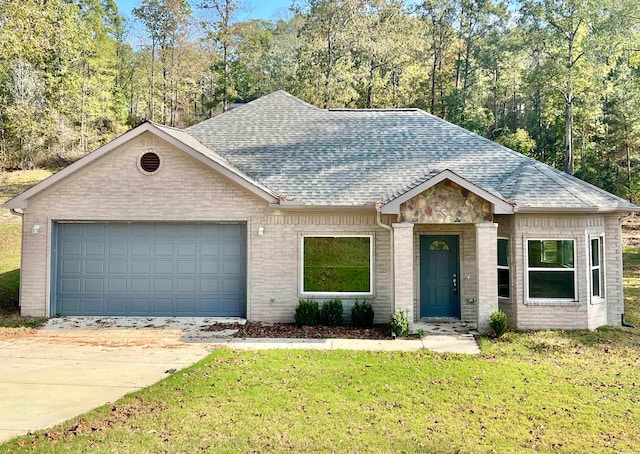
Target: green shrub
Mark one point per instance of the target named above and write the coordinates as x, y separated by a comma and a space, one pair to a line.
498, 323
399, 324
332, 313
307, 313
362, 314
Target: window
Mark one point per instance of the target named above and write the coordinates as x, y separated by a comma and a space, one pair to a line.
438, 245
551, 269
340, 264
596, 267
503, 268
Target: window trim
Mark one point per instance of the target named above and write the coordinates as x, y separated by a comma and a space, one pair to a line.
508, 267
528, 269
595, 299
304, 293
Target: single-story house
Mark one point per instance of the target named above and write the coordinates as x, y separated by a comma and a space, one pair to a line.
248, 212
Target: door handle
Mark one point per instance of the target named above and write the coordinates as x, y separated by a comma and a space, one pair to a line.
455, 284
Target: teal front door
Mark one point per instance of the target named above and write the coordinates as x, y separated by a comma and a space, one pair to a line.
439, 276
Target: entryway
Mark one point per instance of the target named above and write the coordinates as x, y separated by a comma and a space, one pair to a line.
439, 276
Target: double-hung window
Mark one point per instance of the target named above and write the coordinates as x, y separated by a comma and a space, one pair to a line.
551, 269
596, 255
503, 268
337, 264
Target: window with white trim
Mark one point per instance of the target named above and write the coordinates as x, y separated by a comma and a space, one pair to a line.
337, 264
503, 268
551, 269
597, 280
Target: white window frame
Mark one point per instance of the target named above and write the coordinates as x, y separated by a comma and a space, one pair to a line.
601, 267
574, 270
303, 293
508, 267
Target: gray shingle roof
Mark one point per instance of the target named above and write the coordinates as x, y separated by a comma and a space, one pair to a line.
356, 157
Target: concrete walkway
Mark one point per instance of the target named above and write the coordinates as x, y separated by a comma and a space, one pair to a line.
462, 343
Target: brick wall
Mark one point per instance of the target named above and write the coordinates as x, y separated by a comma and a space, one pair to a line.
112, 188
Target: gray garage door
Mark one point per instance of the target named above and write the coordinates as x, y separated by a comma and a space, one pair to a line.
150, 269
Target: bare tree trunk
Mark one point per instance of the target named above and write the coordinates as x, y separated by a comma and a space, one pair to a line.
569, 153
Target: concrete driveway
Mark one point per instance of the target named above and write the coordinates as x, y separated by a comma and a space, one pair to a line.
49, 376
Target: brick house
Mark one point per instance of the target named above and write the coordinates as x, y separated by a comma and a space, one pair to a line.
248, 212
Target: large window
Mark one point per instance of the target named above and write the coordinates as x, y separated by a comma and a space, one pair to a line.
551, 269
340, 264
596, 267
503, 268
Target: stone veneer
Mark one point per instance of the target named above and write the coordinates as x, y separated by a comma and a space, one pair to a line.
446, 202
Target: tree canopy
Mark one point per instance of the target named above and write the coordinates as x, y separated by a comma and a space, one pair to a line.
557, 80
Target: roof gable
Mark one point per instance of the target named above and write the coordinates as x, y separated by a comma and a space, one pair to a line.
177, 138
499, 206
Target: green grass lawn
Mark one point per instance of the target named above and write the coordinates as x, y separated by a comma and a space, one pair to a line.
531, 392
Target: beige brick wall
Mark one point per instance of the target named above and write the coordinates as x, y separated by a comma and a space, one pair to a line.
487, 266
584, 312
505, 230
112, 188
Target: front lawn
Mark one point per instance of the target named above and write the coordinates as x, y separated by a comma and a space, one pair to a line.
532, 392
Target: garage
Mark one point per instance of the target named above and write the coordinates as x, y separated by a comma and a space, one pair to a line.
149, 269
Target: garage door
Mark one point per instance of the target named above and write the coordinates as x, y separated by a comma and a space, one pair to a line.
150, 269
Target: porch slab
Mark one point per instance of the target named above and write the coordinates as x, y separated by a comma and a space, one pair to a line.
445, 327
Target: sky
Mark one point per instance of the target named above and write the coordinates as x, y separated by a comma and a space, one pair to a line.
259, 9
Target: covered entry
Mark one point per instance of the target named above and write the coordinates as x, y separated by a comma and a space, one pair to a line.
149, 269
439, 276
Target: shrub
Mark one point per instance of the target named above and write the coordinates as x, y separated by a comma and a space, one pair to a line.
332, 313
362, 314
399, 324
307, 313
498, 323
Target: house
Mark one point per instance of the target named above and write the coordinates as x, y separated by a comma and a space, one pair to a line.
248, 212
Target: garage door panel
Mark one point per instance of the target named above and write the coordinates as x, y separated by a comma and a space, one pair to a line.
140, 266
140, 306
94, 267
93, 285
71, 266
150, 269
163, 285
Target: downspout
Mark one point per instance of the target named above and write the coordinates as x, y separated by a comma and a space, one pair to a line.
16, 212
625, 323
393, 271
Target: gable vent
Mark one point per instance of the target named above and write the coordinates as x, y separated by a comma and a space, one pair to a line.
150, 162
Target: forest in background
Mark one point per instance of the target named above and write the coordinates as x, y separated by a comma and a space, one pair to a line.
557, 80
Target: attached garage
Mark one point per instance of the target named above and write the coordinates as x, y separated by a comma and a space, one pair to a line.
149, 269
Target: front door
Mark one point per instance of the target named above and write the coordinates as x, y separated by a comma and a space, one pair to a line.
439, 276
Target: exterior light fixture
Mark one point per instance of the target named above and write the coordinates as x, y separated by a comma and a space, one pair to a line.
261, 230
35, 228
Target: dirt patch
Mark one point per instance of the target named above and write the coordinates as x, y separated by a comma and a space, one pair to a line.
290, 330
16, 333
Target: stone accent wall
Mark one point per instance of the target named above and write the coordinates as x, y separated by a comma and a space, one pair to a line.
447, 203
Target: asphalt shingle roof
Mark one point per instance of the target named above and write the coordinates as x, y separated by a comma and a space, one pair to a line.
357, 157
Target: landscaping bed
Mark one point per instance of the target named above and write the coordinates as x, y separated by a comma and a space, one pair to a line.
291, 330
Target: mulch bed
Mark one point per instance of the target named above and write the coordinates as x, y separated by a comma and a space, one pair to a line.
291, 330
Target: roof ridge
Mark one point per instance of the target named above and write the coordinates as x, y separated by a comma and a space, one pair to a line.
553, 173
392, 109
